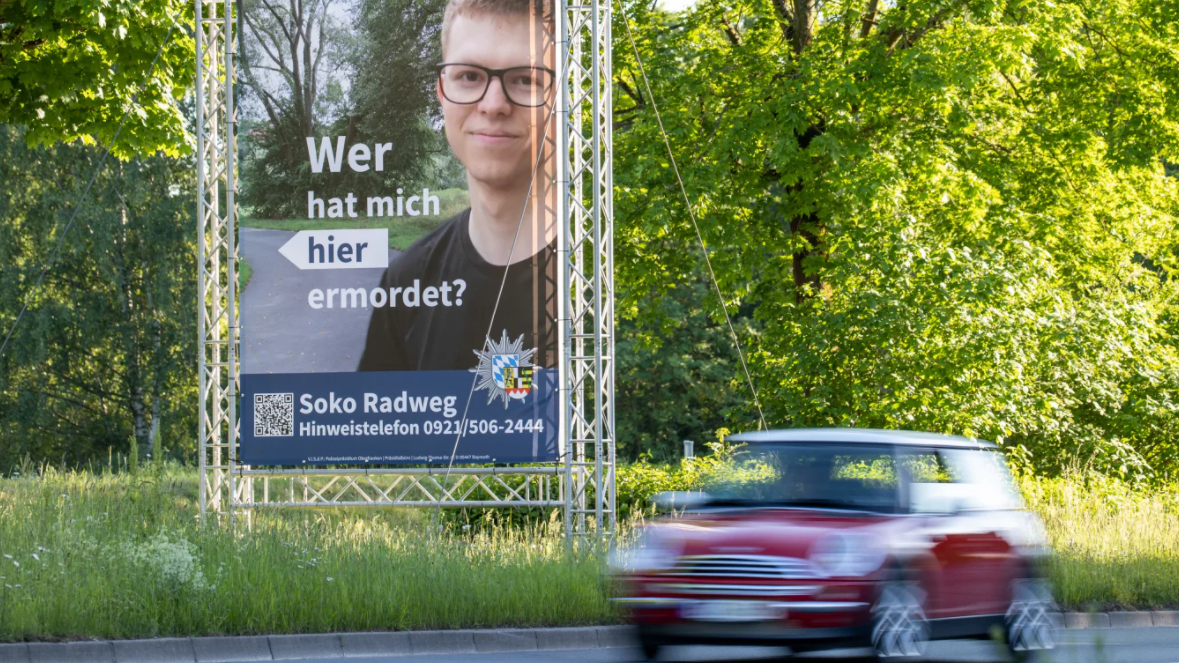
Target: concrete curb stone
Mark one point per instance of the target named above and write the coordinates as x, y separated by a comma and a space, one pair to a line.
1165, 618
402, 643
150, 651
392, 643
315, 645
1086, 620
221, 649
502, 640
71, 652
617, 636
441, 642
17, 652
585, 637
1130, 619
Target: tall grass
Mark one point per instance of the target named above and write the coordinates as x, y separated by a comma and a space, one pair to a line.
1117, 546
119, 555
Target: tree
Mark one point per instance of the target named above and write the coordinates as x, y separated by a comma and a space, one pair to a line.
70, 69
939, 208
106, 350
362, 71
677, 376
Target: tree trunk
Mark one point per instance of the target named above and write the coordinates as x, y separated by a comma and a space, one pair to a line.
154, 441
808, 227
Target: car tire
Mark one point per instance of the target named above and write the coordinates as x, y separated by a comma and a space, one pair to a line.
900, 630
648, 645
1030, 621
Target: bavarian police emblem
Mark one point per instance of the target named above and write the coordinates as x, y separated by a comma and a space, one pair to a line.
505, 370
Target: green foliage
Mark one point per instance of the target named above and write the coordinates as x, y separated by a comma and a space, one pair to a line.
952, 217
678, 374
721, 470
69, 69
107, 345
369, 79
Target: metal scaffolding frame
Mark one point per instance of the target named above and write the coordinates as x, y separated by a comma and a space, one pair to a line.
582, 484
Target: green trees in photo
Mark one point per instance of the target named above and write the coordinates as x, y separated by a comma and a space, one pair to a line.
366, 73
950, 216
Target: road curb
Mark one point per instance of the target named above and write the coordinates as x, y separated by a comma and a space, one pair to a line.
405, 643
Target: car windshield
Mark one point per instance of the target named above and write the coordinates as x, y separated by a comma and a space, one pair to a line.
850, 476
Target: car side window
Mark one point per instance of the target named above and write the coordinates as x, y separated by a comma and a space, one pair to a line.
926, 483
983, 473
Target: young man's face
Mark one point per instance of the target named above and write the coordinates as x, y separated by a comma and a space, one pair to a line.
493, 137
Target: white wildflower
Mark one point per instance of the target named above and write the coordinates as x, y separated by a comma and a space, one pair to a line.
331, 579
36, 557
174, 561
8, 556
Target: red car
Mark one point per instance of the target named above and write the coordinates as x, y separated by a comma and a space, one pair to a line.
841, 538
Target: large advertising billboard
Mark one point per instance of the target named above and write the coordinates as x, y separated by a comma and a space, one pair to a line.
398, 283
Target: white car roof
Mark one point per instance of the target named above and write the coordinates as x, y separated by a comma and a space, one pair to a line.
860, 436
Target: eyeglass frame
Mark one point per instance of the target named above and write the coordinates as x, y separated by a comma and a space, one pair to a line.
493, 73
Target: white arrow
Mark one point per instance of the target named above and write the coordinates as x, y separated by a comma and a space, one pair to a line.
353, 248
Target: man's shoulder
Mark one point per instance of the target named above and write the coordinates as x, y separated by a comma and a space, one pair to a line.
428, 248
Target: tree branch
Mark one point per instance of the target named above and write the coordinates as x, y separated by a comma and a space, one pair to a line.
730, 31
869, 18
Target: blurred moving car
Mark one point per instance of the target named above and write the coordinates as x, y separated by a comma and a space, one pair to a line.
834, 538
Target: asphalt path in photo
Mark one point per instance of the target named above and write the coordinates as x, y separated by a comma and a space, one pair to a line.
280, 333
1109, 645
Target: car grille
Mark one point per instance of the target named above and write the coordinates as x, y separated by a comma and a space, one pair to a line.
744, 566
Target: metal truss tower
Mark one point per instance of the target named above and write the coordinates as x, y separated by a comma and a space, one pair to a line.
583, 483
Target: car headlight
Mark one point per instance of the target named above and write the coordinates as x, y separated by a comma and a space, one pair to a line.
843, 554
653, 550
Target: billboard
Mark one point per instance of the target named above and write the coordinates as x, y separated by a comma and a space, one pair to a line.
398, 233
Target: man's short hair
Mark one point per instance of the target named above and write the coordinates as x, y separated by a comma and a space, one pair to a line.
456, 8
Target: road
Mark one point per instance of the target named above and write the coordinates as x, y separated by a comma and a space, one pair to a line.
1141, 645
280, 332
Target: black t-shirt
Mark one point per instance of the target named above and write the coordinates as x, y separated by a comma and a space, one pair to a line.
436, 338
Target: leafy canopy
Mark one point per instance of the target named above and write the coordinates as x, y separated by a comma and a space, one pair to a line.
947, 215
70, 69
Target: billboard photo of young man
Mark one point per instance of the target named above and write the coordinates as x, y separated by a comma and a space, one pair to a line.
496, 86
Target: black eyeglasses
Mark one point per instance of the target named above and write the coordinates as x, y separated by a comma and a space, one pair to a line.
467, 83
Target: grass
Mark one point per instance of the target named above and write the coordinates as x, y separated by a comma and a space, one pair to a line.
403, 230
1117, 547
118, 556
245, 272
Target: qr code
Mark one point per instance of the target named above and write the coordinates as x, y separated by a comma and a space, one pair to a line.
274, 415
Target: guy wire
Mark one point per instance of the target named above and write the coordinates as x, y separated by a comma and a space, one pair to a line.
692, 215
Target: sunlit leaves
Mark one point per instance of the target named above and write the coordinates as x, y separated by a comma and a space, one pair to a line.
978, 189
70, 69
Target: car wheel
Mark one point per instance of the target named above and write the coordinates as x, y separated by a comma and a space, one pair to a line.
648, 645
899, 627
1030, 619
